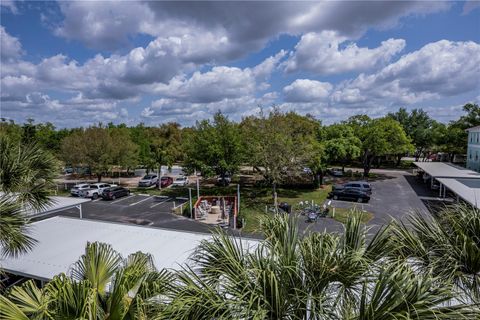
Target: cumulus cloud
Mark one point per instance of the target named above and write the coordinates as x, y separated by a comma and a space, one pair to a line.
231, 28
305, 90
440, 69
10, 47
322, 53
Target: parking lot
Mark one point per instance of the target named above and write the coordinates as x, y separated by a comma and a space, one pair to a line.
138, 209
395, 194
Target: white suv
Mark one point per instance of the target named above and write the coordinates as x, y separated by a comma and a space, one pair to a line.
75, 191
95, 190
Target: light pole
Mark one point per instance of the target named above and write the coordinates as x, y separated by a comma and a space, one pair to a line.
190, 199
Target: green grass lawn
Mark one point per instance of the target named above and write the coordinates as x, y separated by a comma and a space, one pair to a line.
342, 214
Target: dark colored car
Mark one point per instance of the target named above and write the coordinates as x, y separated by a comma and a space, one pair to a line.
349, 194
358, 185
165, 181
115, 192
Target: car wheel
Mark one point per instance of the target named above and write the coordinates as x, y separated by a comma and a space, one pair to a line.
113, 197
359, 200
95, 196
128, 192
335, 197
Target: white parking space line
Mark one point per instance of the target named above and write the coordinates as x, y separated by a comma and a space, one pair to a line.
132, 204
128, 197
98, 199
156, 204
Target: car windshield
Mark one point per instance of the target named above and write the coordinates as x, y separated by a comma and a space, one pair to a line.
180, 179
148, 177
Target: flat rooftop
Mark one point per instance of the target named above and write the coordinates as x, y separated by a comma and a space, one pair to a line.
58, 204
446, 170
62, 240
467, 189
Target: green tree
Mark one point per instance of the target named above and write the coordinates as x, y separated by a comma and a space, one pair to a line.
165, 146
214, 147
447, 245
103, 285
380, 137
280, 145
341, 144
26, 175
100, 149
419, 127
315, 276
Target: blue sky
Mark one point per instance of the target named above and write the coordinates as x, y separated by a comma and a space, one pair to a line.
79, 63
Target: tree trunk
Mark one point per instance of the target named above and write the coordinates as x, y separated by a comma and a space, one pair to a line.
367, 163
99, 177
399, 160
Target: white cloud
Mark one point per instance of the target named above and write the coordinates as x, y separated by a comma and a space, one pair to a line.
439, 69
305, 90
10, 47
322, 53
231, 29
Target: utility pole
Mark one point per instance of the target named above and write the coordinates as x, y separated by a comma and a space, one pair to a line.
190, 199
198, 187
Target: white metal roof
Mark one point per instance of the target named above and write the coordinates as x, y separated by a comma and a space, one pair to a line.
446, 170
58, 204
62, 240
467, 189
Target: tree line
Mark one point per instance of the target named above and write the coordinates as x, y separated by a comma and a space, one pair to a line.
277, 145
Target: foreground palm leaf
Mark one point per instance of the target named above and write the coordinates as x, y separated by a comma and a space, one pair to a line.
103, 286
449, 243
26, 174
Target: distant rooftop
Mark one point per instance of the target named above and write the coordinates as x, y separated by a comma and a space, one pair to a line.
474, 129
446, 170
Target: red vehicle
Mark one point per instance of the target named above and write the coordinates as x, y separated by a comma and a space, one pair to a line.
166, 181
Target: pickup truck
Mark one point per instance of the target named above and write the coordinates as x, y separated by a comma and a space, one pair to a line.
95, 190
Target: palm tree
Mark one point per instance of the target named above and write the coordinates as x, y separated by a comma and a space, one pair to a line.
447, 243
317, 276
100, 285
286, 276
26, 174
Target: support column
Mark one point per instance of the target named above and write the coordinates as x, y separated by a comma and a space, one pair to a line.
80, 209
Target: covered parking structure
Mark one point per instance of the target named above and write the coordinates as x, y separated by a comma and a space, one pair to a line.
62, 240
58, 204
462, 182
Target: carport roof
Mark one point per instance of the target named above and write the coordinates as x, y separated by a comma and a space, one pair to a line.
62, 240
446, 170
467, 189
58, 204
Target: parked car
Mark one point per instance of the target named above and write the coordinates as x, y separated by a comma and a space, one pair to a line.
95, 190
115, 192
75, 191
358, 185
180, 181
349, 194
336, 172
165, 181
225, 181
148, 180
